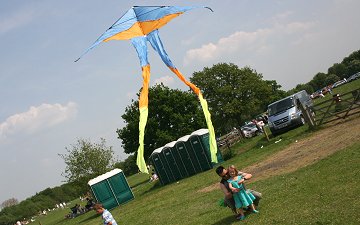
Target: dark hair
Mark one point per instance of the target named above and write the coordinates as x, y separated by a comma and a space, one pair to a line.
219, 170
98, 206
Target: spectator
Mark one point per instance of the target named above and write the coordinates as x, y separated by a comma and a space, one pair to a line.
108, 219
90, 203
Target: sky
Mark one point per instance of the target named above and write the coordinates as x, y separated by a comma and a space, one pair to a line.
48, 101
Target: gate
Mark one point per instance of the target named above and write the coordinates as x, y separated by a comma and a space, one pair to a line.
339, 107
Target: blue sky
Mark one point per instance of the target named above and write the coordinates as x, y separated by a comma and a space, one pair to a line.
48, 101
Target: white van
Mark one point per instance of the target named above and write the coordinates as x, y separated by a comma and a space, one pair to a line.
284, 114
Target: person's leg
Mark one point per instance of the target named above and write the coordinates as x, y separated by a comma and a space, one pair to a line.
241, 215
257, 196
231, 204
253, 208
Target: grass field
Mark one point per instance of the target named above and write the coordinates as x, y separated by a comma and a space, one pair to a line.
325, 192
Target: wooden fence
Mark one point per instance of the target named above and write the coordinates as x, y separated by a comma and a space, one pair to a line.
339, 107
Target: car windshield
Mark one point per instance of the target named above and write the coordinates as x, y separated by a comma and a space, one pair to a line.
281, 106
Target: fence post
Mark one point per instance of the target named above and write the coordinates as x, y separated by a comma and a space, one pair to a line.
306, 114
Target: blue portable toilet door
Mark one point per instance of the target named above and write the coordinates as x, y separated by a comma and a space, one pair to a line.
160, 169
201, 153
185, 157
172, 164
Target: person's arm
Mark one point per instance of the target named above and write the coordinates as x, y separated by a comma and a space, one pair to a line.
226, 192
232, 188
245, 176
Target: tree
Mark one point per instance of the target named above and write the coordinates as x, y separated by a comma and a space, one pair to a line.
128, 166
338, 69
172, 114
318, 81
234, 95
85, 159
331, 78
307, 87
9, 202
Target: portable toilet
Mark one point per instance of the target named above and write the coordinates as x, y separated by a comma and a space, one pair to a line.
174, 161
200, 143
161, 167
187, 155
111, 189
203, 136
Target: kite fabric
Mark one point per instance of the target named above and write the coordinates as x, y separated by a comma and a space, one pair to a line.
140, 24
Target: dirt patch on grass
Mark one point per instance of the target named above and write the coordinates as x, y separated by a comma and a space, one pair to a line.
305, 152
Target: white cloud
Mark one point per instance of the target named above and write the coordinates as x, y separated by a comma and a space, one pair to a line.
166, 80
15, 20
247, 42
37, 118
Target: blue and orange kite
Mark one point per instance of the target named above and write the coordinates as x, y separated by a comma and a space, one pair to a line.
140, 24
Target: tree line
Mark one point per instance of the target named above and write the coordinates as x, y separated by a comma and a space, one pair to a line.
234, 95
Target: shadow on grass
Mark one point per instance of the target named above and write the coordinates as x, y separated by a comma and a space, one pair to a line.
138, 184
226, 220
89, 218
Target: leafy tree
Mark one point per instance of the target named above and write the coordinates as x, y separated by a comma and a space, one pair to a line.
234, 95
330, 79
353, 67
307, 87
128, 166
318, 81
172, 114
9, 202
85, 159
338, 69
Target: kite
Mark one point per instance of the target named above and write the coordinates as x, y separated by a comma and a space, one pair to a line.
140, 24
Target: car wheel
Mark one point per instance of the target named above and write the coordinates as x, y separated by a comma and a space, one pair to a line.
273, 132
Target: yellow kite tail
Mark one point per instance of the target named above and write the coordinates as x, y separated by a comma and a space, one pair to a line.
204, 106
143, 108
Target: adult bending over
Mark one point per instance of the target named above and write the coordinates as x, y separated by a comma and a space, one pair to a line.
224, 186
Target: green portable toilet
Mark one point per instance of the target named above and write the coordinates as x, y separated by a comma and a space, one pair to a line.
201, 150
186, 157
174, 161
200, 140
161, 166
111, 189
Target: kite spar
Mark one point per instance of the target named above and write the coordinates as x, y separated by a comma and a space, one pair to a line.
140, 24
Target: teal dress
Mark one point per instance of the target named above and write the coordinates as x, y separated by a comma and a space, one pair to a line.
242, 198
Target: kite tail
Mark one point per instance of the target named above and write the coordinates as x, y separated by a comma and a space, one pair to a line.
143, 108
156, 43
140, 45
205, 108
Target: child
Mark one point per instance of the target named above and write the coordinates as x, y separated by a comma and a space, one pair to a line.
242, 198
106, 215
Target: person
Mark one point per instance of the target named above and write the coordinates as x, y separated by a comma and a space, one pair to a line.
154, 177
241, 197
105, 214
89, 205
228, 196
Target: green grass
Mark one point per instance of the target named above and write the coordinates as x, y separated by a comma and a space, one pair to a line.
323, 193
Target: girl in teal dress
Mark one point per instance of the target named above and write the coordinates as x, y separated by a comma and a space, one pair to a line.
242, 198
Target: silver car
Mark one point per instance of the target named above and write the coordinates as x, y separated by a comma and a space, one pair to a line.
250, 130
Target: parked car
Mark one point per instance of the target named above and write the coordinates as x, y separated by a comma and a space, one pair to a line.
285, 113
354, 77
250, 130
338, 83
